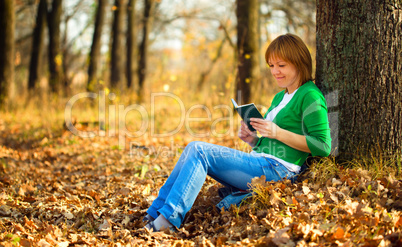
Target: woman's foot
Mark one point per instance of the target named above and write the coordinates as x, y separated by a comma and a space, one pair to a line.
148, 218
160, 223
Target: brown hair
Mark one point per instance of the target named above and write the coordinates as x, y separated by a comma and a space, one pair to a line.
292, 49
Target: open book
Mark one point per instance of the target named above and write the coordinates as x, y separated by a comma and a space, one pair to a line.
246, 112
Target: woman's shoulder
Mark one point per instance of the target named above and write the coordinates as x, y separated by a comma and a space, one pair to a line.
311, 95
310, 89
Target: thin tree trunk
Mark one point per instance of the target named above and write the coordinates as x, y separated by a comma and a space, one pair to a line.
65, 54
35, 66
248, 49
117, 56
7, 25
95, 54
55, 56
142, 65
204, 75
359, 67
131, 45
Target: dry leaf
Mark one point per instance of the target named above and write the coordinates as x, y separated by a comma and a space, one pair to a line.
399, 222
68, 215
43, 243
106, 225
339, 233
5, 210
124, 191
306, 190
126, 220
63, 244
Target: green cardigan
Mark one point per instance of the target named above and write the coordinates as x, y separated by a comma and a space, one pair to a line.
305, 114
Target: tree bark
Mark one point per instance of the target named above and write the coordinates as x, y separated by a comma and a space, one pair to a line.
359, 66
131, 45
143, 50
117, 56
35, 65
55, 56
248, 73
95, 54
7, 24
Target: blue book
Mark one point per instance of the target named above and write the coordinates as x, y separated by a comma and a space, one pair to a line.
246, 112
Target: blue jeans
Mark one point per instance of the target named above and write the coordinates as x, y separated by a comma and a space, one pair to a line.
228, 166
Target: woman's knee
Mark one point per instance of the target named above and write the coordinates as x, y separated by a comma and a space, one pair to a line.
195, 146
190, 150
199, 150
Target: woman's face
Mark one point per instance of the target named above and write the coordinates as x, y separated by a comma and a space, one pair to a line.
285, 73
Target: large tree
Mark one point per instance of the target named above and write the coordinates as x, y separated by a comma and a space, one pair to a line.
117, 53
95, 54
38, 37
55, 56
359, 51
7, 23
143, 50
248, 49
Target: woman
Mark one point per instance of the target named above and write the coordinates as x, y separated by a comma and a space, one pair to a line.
295, 125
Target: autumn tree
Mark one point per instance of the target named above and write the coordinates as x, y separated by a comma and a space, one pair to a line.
55, 57
38, 39
7, 23
95, 54
117, 52
131, 44
248, 48
359, 64
143, 49
205, 74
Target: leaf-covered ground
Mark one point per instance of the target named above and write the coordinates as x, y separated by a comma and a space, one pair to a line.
57, 189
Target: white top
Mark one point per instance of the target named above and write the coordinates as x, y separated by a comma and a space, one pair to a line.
286, 98
270, 117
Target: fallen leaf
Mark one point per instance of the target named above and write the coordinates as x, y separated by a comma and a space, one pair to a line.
399, 222
281, 236
339, 233
106, 225
5, 210
68, 215
43, 243
126, 220
63, 244
124, 191
306, 190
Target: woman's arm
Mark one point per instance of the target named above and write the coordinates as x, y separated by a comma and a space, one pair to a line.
271, 130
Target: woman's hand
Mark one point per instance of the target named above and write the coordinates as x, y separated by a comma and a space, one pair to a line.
265, 127
246, 135
273, 131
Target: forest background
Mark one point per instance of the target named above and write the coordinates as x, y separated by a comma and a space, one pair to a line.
99, 98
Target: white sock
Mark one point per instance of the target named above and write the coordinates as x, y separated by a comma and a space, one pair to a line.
161, 222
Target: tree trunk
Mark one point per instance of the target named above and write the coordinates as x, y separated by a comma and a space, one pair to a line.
95, 54
205, 74
55, 56
359, 67
35, 66
131, 45
7, 23
146, 29
117, 56
248, 50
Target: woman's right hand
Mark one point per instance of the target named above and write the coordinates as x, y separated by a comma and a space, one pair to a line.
246, 135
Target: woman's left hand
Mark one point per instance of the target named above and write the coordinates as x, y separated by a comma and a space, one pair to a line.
265, 127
